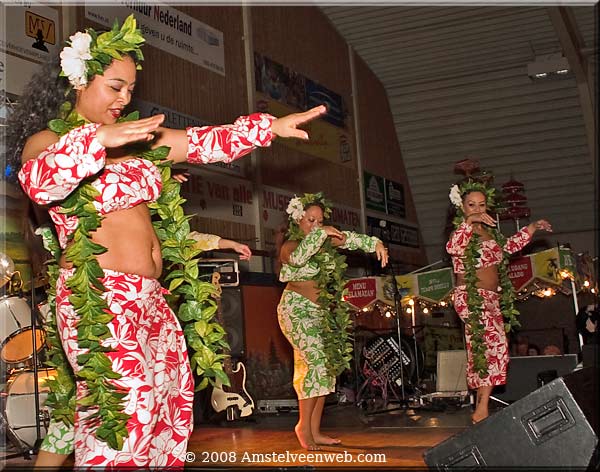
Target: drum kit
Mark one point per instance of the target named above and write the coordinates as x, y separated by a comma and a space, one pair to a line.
23, 391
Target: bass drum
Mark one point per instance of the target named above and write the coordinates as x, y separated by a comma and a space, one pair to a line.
16, 343
20, 404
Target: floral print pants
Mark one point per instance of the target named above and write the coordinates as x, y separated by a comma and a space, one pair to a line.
150, 353
494, 338
300, 321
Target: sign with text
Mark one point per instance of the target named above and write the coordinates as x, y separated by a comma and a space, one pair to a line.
221, 197
361, 292
275, 201
435, 285
520, 271
393, 232
32, 32
168, 29
394, 198
374, 192
326, 141
177, 120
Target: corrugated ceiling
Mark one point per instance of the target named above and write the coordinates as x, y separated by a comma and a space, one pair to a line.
457, 82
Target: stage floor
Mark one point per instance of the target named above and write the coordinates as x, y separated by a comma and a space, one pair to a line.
394, 439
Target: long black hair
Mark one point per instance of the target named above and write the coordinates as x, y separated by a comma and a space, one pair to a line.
40, 102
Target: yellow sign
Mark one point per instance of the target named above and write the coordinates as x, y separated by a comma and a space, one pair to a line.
326, 141
36, 25
546, 265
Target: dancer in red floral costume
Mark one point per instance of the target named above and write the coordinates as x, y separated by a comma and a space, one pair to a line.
479, 252
145, 348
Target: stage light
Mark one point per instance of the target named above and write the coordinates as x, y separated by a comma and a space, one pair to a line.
442, 303
411, 302
586, 283
548, 67
388, 314
409, 310
425, 310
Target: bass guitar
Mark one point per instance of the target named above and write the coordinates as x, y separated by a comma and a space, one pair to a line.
234, 399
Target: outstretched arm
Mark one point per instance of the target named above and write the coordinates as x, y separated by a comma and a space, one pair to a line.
207, 144
210, 242
354, 241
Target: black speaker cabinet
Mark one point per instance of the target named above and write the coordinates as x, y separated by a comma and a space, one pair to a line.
232, 314
547, 428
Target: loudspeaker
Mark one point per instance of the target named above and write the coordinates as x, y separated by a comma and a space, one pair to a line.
451, 371
547, 428
527, 373
232, 314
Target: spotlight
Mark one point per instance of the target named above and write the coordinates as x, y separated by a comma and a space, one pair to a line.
425, 310
411, 302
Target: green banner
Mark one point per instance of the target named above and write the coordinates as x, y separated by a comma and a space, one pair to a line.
435, 285
374, 192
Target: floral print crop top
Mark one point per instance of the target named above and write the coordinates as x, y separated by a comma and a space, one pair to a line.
300, 267
490, 252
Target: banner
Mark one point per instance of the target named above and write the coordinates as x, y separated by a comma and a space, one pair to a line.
326, 141
520, 271
220, 197
394, 198
177, 120
374, 192
435, 285
168, 29
361, 292
546, 265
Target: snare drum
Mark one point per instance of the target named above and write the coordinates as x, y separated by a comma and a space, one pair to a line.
16, 348
20, 404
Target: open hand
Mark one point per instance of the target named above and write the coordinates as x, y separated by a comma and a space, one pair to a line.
539, 224
287, 126
119, 134
244, 251
382, 254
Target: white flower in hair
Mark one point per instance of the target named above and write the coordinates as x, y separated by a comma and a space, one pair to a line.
295, 209
72, 58
454, 196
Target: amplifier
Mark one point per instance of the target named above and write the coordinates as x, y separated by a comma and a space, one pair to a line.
227, 268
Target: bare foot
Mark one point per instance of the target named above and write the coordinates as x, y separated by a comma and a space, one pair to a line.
476, 417
306, 440
326, 440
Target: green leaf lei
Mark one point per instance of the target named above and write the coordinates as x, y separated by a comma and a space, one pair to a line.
474, 300
337, 340
196, 310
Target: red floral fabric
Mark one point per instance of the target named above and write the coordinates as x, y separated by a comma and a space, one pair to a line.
150, 353
227, 143
490, 252
494, 338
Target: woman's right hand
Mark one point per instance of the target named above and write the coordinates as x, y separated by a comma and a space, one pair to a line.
484, 218
120, 134
333, 232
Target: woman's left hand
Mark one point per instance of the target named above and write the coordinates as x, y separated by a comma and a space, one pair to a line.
244, 251
287, 126
382, 253
180, 177
539, 224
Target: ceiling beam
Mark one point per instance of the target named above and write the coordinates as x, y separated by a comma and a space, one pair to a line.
573, 47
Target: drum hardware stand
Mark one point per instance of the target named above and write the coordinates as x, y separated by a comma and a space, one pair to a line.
24, 451
403, 400
36, 388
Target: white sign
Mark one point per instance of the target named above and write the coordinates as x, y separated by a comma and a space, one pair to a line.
168, 29
220, 197
177, 120
274, 202
31, 32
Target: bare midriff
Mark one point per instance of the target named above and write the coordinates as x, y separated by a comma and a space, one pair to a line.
487, 276
307, 288
131, 243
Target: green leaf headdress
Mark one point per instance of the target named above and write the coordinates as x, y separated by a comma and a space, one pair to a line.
458, 192
297, 207
90, 53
